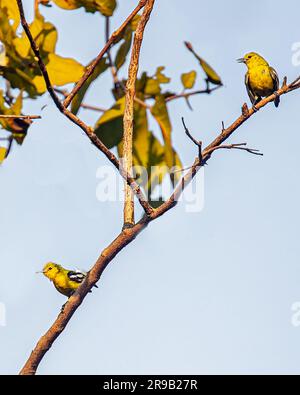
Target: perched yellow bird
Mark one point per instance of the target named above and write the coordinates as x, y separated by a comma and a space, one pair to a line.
65, 281
261, 79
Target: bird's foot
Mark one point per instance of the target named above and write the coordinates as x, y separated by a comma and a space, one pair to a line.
254, 108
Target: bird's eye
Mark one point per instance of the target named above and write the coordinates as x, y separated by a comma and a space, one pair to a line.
50, 268
249, 57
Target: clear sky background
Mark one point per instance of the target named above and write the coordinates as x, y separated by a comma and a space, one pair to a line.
209, 292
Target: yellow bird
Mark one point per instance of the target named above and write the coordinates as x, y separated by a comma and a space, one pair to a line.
65, 281
261, 79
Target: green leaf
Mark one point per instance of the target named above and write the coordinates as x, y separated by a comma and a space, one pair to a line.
148, 153
161, 114
61, 71
188, 79
106, 7
123, 50
78, 99
134, 22
109, 127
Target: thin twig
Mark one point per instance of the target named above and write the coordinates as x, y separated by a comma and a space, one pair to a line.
186, 95
113, 69
90, 69
82, 105
240, 146
196, 142
21, 116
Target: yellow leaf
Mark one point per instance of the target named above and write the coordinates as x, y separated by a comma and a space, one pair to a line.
3, 57
61, 71
67, 4
161, 114
188, 79
211, 74
106, 7
3, 151
22, 44
50, 38
12, 11
160, 77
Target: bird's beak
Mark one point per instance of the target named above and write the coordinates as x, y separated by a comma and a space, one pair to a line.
39, 272
241, 60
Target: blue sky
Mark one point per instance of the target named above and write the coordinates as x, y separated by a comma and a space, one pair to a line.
208, 292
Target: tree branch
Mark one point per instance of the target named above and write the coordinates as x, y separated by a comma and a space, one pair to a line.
111, 65
186, 95
129, 110
90, 69
82, 105
20, 116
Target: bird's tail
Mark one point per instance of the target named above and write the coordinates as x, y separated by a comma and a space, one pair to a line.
277, 101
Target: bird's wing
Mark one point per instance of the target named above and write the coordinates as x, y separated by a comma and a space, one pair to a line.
275, 78
251, 94
77, 276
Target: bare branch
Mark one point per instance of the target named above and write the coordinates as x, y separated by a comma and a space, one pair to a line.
129, 110
82, 105
20, 116
196, 142
186, 95
240, 146
113, 69
90, 69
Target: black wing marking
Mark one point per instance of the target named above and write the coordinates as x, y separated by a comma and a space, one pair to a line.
77, 276
251, 94
275, 79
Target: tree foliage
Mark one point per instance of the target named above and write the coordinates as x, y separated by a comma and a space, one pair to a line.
22, 79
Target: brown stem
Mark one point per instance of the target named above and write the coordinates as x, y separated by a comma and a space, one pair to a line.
21, 116
129, 110
82, 105
186, 95
111, 65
